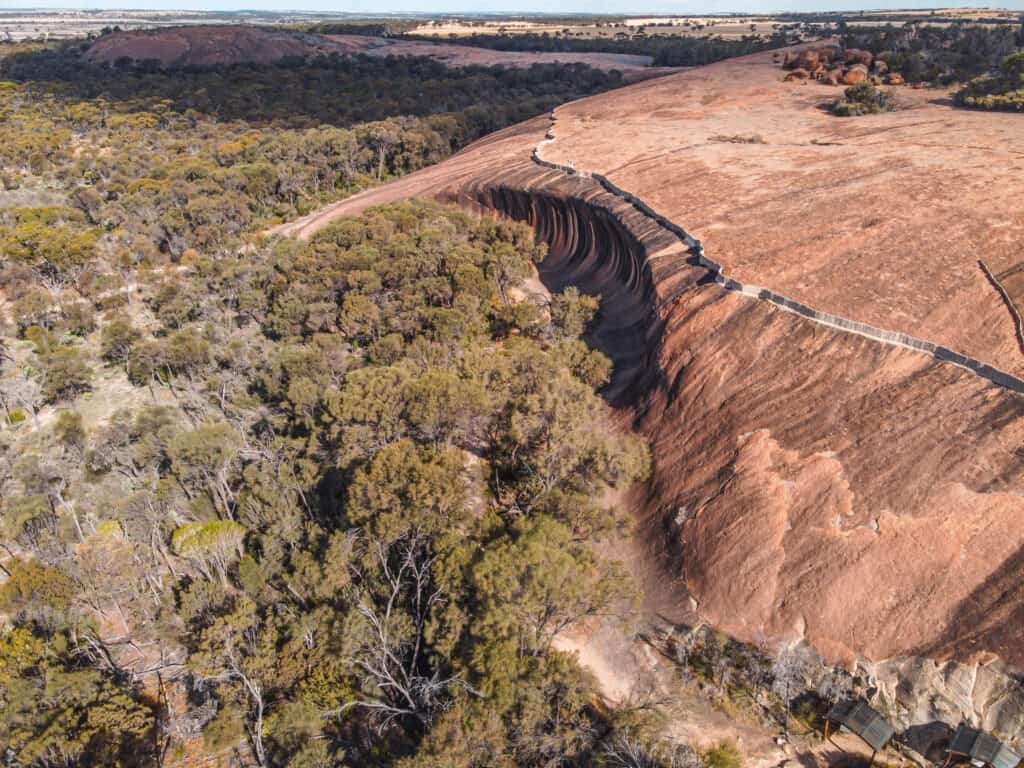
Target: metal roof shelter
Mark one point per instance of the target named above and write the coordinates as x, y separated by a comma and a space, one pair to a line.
981, 748
859, 718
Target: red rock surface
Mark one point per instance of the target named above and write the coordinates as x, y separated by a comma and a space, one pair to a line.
808, 483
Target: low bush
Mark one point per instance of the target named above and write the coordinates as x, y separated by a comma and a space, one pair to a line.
863, 99
1003, 91
725, 754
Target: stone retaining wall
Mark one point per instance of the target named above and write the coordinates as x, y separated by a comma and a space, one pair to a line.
893, 338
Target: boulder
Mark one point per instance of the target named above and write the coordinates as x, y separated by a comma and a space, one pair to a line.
833, 76
812, 59
895, 78
858, 73
879, 67
798, 74
857, 56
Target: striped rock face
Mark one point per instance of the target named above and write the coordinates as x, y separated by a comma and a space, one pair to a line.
828, 378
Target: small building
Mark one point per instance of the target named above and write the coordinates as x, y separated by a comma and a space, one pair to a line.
859, 718
981, 749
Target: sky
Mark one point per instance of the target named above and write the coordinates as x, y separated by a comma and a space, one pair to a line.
632, 7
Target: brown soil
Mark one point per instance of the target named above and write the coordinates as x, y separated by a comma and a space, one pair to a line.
807, 483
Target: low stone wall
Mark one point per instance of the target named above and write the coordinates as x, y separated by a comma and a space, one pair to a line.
893, 338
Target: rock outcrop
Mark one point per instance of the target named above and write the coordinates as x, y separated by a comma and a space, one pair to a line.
812, 483
832, 65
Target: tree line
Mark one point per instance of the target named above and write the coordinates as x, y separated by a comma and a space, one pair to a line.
942, 55
172, 161
666, 50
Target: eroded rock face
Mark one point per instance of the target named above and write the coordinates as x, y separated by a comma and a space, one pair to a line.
920, 692
809, 486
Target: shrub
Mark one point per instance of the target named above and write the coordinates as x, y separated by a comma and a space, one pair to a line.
725, 754
863, 99
66, 374
1003, 91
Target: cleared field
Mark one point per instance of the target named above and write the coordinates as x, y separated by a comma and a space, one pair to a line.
727, 26
66, 24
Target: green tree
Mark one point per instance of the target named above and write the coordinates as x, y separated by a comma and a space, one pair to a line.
204, 458
66, 374
56, 714
212, 546
537, 582
116, 339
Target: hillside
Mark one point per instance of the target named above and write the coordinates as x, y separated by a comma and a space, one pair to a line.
218, 45
210, 45
885, 481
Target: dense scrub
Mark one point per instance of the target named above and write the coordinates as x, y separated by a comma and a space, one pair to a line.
291, 504
288, 504
937, 54
327, 90
1002, 91
343, 508
169, 162
667, 50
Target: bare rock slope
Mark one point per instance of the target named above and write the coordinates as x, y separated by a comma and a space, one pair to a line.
810, 484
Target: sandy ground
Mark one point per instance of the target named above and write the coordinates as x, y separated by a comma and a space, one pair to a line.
729, 27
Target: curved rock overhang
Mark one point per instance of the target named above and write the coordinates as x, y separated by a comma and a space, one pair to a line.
816, 485
808, 484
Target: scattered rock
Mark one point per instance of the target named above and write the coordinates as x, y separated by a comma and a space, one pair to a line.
798, 74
